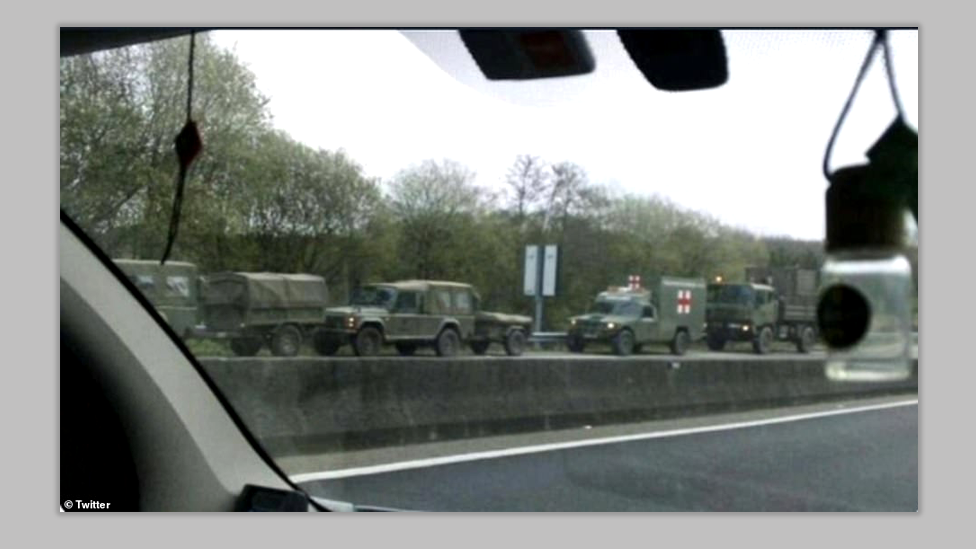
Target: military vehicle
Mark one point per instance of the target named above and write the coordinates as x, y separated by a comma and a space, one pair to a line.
173, 288
671, 311
419, 313
254, 309
775, 304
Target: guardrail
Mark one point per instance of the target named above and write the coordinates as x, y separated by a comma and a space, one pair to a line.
547, 338
315, 405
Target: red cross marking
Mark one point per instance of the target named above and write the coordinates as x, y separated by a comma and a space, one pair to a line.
684, 301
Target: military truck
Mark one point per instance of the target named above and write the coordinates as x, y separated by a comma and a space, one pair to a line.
172, 288
412, 314
256, 309
774, 304
671, 311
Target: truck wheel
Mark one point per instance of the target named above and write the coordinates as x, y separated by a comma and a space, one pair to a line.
575, 344
763, 340
715, 342
286, 341
480, 347
406, 349
367, 342
806, 340
679, 344
623, 343
447, 343
515, 343
325, 344
246, 346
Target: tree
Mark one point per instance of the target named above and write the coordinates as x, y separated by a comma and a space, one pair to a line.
434, 205
527, 180
120, 111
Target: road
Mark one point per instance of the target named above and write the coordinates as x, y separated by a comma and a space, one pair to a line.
856, 456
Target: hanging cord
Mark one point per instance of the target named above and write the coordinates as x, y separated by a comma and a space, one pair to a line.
189, 78
889, 69
878, 37
188, 145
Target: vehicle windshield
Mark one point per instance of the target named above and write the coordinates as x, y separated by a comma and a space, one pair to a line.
339, 165
617, 307
731, 294
374, 296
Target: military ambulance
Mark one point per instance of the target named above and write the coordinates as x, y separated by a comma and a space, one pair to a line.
668, 311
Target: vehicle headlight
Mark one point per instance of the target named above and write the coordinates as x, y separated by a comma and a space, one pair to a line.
351, 322
745, 327
611, 325
572, 322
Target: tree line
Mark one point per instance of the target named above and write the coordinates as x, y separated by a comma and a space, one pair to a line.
257, 200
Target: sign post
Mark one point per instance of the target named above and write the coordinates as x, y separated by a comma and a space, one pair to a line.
540, 276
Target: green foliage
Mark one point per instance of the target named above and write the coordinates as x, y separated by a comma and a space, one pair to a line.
258, 200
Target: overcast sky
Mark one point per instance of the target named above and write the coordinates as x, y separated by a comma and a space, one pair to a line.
748, 153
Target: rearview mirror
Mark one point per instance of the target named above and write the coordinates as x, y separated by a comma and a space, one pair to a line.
529, 54
678, 60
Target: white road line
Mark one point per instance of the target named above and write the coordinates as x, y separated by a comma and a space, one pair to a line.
521, 450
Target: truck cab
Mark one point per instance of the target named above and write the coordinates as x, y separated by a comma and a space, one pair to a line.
761, 313
173, 288
740, 312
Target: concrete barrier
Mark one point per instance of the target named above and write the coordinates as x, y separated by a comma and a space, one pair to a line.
311, 405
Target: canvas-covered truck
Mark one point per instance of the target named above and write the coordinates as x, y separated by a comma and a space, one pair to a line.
773, 305
412, 314
173, 288
251, 310
669, 311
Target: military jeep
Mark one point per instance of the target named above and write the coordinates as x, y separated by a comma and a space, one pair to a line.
418, 313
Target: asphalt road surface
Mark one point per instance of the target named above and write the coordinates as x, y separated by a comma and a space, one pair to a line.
861, 457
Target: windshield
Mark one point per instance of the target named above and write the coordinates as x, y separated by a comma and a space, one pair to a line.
338, 166
731, 295
374, 296
617, 307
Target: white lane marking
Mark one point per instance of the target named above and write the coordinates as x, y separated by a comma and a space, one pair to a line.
521, 450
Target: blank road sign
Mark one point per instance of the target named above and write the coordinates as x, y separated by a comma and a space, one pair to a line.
531, 269
549, 272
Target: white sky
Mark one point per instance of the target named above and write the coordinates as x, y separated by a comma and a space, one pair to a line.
748, 153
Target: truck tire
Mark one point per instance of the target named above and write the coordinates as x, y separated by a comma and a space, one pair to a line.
623, 343
447, 343
368, 341
679, 344
515, 343
806, 340
286, 341
715, 342
575, 344
246, 346
480, 347
763, 340
325, 344
406, 349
